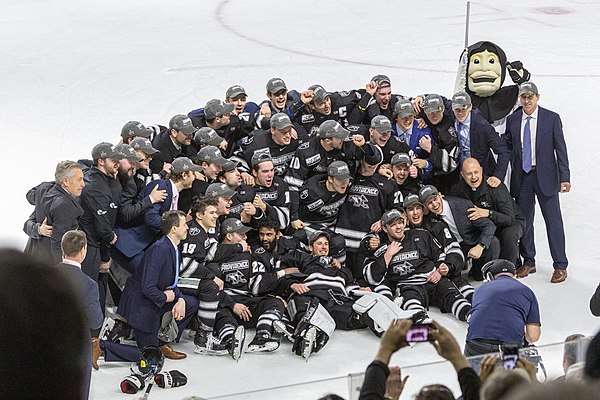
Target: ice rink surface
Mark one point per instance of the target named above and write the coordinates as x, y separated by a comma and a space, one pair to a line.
73, 72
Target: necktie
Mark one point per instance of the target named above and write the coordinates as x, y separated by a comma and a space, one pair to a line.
464, 141
527, 146
176, 269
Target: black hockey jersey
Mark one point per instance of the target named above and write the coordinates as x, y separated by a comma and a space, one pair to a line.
317, 205
277, 198
197, 249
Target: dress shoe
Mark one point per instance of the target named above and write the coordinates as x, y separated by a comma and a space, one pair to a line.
168, 352
525, 270
96, 352
559, 275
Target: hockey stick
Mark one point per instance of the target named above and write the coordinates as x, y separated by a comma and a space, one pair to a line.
461, 76
147, 393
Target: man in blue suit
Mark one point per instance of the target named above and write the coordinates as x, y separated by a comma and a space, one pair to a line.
132, 241
540, 168
477, 138
74, 249
152, 290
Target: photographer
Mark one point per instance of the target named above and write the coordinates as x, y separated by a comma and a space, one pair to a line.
382, 382
504, 311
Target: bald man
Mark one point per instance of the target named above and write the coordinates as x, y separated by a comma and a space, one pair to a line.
494, 203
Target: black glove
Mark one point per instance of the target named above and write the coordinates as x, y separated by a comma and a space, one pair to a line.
518, 74
170, 379
132, 384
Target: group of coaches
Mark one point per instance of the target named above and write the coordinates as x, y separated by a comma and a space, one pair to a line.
365, 150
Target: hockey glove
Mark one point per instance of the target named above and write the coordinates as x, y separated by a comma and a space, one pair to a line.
518, 74
169, 379
132, 384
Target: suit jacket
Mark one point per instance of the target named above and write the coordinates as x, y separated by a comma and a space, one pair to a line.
479, 231
143, 301
133, 240
484, 137
88, 293
552, 162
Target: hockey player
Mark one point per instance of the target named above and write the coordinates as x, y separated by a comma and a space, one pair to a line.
242, 206
134, 129
455, 260
243, 302
206, 136
143, 174
442, 146
369, 196
173, 142
317, 105
279, 99
380, 134
405, 176
410, 262
273, 193
245, 110
280, 142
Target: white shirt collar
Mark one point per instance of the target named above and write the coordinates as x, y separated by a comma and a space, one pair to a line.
71, 262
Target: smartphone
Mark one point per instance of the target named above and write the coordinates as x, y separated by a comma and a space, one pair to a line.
418, 333
510, 355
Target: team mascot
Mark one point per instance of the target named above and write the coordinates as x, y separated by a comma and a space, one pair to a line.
481, 74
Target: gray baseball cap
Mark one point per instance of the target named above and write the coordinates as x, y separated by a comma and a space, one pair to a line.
260, 157
217, 108
373, 154
135, 129
382, 80
106, 150
211, 154
333, 129
528, 89
426, 192
381, 124
275, 85
128, 152
233, 225
404, 108
319, 93
390, 216
316, 235
433, 103
182, 123
410, 200
207, 136
183, 164
215, 190
339, 170
281, 121
230, 165
461, 100
400, 158
234, 91
143, 144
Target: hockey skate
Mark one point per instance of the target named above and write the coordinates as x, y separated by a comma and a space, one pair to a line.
285, 330
206, 343
262, 344
236, 345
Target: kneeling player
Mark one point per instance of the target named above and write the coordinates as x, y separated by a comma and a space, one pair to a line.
410, 263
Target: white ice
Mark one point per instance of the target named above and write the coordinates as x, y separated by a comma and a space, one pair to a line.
73, 72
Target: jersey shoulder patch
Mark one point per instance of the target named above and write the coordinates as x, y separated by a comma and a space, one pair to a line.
194, 231
307, 118
380, 251
304, 145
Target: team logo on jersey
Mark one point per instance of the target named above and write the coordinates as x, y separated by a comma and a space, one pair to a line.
313, 131
452, 131
485, 204
315, 205
236, 278
353, 128
407, 255
403, 269
359, 201
307, 118
259, 250
194, 231
304, 194
344, 93
101, 212
313, 160
113, 205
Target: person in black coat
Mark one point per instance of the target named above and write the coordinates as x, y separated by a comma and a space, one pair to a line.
477, 138
476, 237
495, 204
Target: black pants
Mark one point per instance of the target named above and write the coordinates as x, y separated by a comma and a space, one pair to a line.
509, 237
489, 254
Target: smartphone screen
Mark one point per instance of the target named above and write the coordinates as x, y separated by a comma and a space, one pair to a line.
510, 355
418, 333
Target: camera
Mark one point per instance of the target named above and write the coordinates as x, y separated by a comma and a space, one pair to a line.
510, 355
418, 333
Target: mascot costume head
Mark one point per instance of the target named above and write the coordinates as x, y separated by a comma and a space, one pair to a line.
485, 74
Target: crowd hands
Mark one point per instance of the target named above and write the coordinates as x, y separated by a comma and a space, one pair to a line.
310, 211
